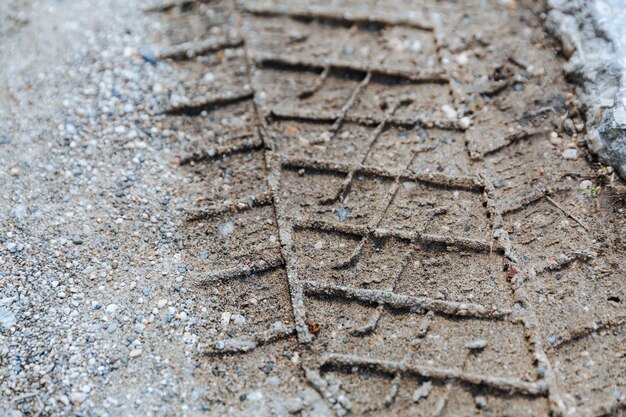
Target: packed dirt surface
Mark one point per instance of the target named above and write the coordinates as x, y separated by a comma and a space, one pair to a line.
307, 208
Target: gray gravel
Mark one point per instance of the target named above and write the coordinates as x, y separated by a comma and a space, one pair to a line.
593, 37
88, 252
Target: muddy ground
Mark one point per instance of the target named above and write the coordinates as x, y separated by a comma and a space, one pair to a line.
301, 208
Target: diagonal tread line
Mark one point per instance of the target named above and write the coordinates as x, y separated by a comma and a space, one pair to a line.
588, 329
196, 106
285, 235
341, 192
519, 294
329, 116
511, 385
281, 61
402, 301
244, 270
328, 14
192, 49
247, 343
243, 143
248, 203
416, 236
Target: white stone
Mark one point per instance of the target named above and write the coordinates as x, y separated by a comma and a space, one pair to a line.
422, 391
254, 396
225, 319
227, 229
238, 319
77, 398
461, 58
449, 111
570, 154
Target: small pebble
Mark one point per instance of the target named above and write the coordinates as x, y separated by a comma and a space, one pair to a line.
77, 398
272, 381
225, 318
585, 184
416, 46
480, 401
111, 309
570, 154
341, 214
227, 229
477, 344
449, 111
568, 127
135, 352
422, 391
254, 396
555, 140
149, 57
238, 319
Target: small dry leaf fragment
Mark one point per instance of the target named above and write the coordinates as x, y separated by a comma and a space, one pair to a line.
313, 327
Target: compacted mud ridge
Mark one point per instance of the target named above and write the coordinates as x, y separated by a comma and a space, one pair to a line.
387, 209
391, 212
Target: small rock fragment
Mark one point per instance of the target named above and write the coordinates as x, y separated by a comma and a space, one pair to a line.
477, 344
254, 396
570, 154
225, 319
227, 229
480, 401
555, 140
238, 319
341, 214
422, 391
449, 111
585, 184
568, 127
465, 122
77, 398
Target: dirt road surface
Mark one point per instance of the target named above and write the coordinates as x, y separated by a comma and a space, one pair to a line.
307, 208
